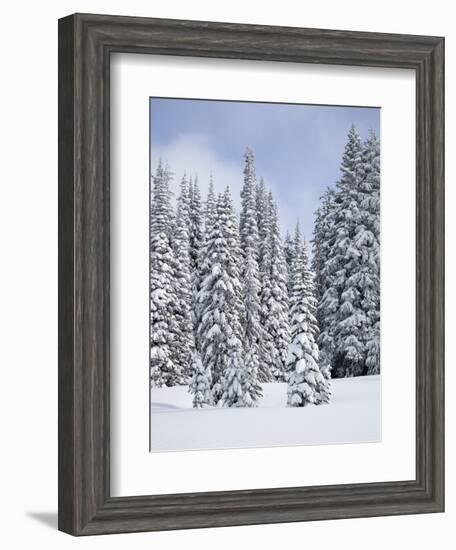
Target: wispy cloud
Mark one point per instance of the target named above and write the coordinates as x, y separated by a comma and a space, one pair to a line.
298, 148
192, 154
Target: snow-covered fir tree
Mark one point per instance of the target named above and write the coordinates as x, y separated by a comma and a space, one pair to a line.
230, 227
306, 384
250, 275
341, 339
209, 212
219, 326
265, 372
352, 323
346, 261
210, 206
196, 237
200, 383
323, 240
163, 299
233, 391
297, 243
292, 246
262, 222
184, 343
250, 383
288, 248
369, 241
325, 275
288, 253
196, 224
252, 390
275, 312
373, 350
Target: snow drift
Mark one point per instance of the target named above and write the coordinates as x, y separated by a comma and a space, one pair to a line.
352, 416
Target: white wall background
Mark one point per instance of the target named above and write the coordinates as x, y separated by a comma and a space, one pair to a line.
28, 272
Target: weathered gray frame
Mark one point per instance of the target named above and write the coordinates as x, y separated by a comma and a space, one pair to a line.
85, 45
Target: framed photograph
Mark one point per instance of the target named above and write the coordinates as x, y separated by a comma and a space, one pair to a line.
251, 274
241, 316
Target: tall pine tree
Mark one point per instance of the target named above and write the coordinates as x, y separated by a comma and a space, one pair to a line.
346, 262
251, 389
306, 384
253, 333
262, 224
369, 238
275, 308
326, 292
203, 267
210, 206
196, 229
163, 299
352, 323
200, 383
265, 372
219, 327
288, 252
196, 237
184, 344
233, 391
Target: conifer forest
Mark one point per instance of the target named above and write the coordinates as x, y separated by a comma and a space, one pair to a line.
240, 306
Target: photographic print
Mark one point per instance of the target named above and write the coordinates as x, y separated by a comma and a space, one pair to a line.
264, 274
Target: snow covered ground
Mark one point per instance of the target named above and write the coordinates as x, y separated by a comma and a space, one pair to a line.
353, 416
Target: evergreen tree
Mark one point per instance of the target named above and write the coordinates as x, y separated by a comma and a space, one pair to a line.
265, 370
210, 206
292, 250
368, 238
288, 249
163, 299
262, 223
251, 387
297, 244
253, 334
352, 323
161, 211
323, 241
203, 266
230, 228
196, 224
325, 269
200, 383
219, 327
373, 350
288, 253
275, 308
306, 384
346, 262
184, 343
196, 237
233, 394
250, 384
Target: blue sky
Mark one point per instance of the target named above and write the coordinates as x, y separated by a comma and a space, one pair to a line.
297, 148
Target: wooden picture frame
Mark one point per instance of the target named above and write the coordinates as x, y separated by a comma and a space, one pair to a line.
85, 45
